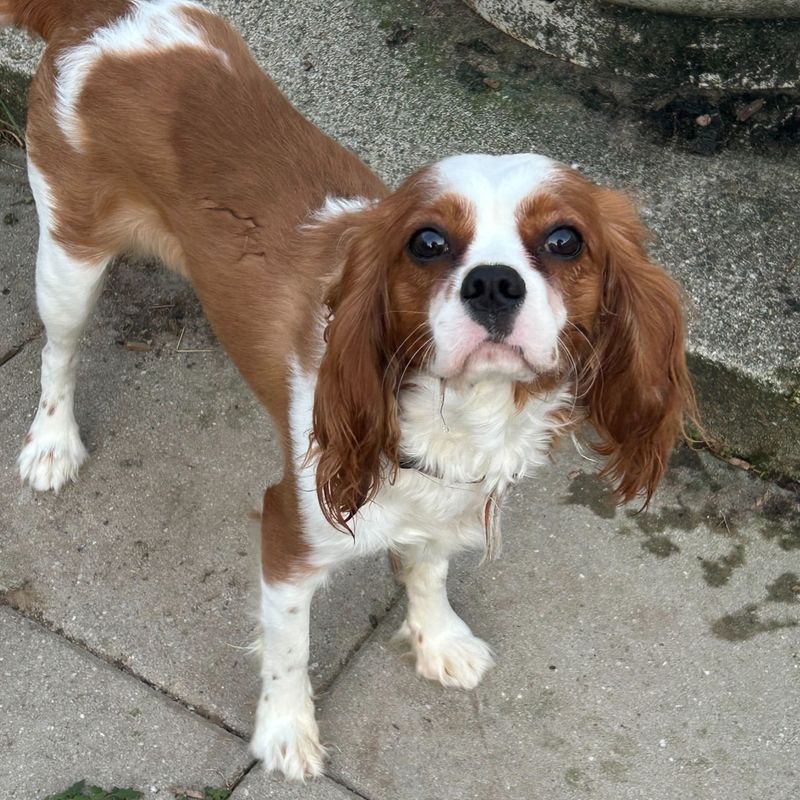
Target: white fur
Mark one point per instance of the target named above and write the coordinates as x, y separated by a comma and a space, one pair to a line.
335, 206
66, 291
445, 648
286, 737
473, 438
150, 26
495, 186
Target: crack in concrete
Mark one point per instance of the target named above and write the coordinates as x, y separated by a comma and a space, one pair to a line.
39, 619
18, 348
356, 647
345, 785
234, 784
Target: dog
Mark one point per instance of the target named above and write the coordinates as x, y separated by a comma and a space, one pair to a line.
419, 350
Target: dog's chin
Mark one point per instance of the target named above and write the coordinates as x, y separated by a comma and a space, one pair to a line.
498, 362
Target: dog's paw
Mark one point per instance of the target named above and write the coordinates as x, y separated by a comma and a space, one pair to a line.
51, 455
290, 745
455, 658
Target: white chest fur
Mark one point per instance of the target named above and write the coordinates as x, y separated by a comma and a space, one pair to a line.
468, 446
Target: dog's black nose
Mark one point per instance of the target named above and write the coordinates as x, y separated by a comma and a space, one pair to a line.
493, 294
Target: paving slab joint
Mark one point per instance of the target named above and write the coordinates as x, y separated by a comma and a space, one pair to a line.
14, 351
121, 666
356, 647
239, 779
347, 787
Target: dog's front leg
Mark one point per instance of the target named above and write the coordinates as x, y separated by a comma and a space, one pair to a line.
286, 736
446, 649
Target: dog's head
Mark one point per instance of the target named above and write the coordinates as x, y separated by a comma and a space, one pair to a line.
512, 269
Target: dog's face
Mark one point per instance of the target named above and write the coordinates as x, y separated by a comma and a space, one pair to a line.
513, 269
503, 256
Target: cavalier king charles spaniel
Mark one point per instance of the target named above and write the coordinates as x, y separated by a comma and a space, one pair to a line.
419, 350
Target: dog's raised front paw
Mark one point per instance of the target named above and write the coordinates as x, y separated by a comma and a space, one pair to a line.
454, 658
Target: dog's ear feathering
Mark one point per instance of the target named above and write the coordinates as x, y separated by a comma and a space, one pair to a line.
641, 393
355, 425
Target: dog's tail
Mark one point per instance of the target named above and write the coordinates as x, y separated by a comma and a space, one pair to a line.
47, 18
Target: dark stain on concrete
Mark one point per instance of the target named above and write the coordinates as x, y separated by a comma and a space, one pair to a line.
660, 546
589, 491
685, 456
577, 779
22, 597
781, 514
655, 544
615, 771
717, 572
786, 539
684, 518
686, 467
785, 589
747, 623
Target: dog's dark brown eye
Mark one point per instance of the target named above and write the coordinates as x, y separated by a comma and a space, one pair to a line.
564, 243
428, 245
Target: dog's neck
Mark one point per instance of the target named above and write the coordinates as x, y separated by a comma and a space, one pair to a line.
475, 433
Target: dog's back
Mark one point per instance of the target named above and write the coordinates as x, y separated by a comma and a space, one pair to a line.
152, 130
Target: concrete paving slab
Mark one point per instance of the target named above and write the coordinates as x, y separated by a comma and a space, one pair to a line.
654, 656
68, 716
151, 559
260, 786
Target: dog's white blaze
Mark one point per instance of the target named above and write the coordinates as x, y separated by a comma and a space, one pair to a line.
149, 26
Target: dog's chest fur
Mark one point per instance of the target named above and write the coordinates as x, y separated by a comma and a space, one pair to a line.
461, 448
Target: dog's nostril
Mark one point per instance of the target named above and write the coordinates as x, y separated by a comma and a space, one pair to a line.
510, 289
472, 289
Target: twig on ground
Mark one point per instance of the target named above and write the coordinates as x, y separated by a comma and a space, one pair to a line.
179, 349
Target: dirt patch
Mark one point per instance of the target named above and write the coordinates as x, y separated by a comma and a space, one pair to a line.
22, 597
717, 572
589, 491
785, 589
660, 546
702, 121
705, 122
747, 623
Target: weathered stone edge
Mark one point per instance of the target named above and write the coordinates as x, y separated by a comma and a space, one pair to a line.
732, 53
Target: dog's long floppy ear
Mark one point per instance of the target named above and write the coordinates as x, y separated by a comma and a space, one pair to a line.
641, 391
356, 429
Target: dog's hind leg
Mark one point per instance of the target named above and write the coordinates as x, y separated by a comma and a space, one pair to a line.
66, 291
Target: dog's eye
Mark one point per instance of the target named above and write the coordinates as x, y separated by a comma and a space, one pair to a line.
564, 243
428, 244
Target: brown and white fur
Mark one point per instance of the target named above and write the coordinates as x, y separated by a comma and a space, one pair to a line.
405, 408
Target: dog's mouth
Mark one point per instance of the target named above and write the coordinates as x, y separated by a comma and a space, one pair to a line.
500, 360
